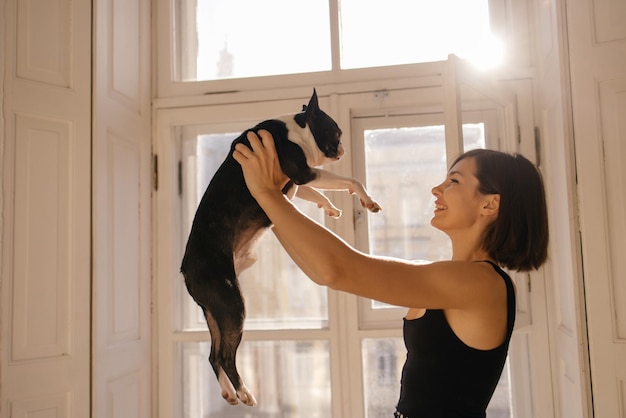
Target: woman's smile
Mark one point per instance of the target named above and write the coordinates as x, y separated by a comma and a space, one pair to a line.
439, 207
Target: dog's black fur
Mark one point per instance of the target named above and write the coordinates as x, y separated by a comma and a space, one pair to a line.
229, 221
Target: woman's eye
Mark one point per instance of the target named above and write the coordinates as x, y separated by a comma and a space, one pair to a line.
454, 181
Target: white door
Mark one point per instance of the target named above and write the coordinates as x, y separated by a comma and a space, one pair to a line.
597, 44
564, 276
46, 145
121, 210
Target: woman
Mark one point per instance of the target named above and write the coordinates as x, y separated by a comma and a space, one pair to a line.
461, 312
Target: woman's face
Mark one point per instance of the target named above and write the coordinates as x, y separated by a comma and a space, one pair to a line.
458, 202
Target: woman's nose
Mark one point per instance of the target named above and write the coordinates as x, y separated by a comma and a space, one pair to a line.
436, 190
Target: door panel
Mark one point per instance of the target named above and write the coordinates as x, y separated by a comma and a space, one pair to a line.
121, 384
597, 44
45, 284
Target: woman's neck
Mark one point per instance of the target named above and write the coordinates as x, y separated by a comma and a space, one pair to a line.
468, 248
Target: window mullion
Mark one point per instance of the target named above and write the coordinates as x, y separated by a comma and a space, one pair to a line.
346, 364
335, 35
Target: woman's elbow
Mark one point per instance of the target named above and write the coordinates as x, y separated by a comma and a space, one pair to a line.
335, 276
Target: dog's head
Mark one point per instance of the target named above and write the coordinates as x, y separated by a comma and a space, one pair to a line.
323, 128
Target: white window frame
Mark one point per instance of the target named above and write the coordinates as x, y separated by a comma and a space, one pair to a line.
345, 332
167, 210
508, 19
388, 317
233, 100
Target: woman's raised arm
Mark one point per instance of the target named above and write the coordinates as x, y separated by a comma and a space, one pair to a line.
328, 260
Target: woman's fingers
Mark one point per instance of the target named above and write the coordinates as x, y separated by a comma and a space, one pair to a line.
255, 141
241, 153
267, 141
259, 162
256, 146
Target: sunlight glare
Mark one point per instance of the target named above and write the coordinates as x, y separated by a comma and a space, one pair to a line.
405, 32
373, 33
486, 55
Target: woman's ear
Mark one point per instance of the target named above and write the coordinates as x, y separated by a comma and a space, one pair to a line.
492, 204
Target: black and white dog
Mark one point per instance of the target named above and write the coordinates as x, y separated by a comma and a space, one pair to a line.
229, 221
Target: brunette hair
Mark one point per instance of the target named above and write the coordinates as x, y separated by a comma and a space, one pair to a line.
518, 238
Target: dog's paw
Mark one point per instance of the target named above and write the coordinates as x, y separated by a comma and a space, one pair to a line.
331, 210
231, 398
228, 391
371, 205
245, 396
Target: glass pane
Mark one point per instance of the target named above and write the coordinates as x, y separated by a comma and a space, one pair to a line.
218, 39
277, 294
402, 165
382, 369
500, 404
473, 136
290, 379
375, 33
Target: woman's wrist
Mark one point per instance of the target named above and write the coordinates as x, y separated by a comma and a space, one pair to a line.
268, 196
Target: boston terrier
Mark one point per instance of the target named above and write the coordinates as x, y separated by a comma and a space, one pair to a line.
229, 221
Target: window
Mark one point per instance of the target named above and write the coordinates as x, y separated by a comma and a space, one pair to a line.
247, 38
289, 301
402, 164
209, 40
402, 157
290, 376
304, 347
424, 30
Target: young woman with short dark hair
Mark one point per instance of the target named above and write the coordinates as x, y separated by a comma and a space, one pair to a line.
461, 311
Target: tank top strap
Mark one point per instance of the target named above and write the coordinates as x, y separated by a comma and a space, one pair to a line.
510, 296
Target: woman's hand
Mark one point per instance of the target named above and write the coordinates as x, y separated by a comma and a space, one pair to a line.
260, 165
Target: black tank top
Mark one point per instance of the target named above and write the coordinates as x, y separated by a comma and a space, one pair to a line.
442, 376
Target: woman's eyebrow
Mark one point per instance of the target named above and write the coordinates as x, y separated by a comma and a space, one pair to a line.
455, 172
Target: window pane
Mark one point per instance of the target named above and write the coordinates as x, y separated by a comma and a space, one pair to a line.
375, 33
500, 404
402, 165
473, 136
288, 379
218, 39
382, 369
277, 294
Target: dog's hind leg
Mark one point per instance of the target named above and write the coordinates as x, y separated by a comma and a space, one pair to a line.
231, 338
228, 391
224, 312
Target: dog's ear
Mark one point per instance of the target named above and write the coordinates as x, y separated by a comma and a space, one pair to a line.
313, 104
309, 112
